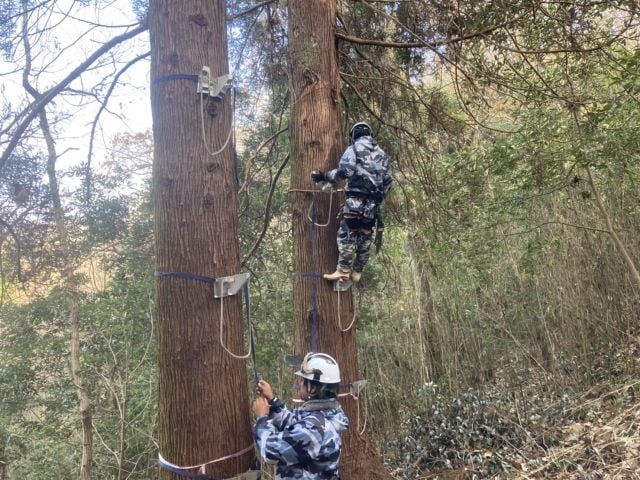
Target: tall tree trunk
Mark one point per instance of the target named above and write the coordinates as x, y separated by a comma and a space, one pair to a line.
203, 392
317, 145
67, 273
82, 390
73, 301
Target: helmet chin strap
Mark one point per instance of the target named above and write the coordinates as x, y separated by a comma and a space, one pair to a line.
318, 391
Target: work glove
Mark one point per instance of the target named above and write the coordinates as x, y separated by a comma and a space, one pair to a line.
318, 176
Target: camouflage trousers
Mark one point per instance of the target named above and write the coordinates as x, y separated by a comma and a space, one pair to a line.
353, 242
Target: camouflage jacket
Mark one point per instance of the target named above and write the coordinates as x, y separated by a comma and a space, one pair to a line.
304, 443
365, 166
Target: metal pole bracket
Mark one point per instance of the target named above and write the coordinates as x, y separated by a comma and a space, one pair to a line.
227, 286
342, 285
356, 387
213, 87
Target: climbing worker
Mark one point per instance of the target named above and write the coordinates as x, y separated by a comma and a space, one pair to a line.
305, 442
365, 166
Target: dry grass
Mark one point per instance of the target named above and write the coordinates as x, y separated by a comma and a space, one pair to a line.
593, 434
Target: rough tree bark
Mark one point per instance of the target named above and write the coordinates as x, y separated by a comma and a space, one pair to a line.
316, 144
203, 394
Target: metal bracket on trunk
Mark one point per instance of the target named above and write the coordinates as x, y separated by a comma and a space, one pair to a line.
227, 286
342, 285
214, 87
250, 475
293, 361
357, 387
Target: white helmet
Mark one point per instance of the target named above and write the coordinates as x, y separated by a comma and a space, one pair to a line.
319, 367
360, 129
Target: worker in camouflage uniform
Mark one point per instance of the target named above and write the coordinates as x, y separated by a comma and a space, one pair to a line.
365, 166
303, 443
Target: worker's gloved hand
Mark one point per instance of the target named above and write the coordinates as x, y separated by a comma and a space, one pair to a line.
318, 176
260, 406
265, 390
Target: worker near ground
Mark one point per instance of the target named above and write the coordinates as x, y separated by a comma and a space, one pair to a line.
365, 167
305, 442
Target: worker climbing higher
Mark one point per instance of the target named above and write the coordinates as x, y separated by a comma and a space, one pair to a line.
304, 443
365, 166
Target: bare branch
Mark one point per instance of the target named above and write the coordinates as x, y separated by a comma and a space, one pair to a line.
424, 44
103, 106
33, 110
267, 213
235, 16
245, 184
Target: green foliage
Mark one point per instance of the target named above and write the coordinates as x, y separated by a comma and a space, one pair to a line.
496, 264
40, 426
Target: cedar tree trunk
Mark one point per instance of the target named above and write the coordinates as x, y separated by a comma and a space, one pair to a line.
317, 145
203, 394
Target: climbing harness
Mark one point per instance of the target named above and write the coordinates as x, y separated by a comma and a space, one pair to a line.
201, 467
224, 287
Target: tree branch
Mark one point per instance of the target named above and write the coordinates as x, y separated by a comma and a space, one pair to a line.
267, 213
103, 106
431, 45
39, 103
235, 16
245, 184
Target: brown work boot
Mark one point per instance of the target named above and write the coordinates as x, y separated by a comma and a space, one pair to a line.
337, 275
356, 276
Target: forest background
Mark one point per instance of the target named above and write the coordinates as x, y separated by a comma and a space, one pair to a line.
498, 326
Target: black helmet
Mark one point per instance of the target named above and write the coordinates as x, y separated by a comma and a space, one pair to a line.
360, 129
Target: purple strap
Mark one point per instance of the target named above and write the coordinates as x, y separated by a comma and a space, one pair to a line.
185, 276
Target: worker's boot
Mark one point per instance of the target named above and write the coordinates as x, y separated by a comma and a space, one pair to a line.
356, 276
337, 275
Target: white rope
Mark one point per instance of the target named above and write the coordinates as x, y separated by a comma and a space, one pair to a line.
313, 202
357, 399
364, 424
231, 130
239, 357
353, 320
